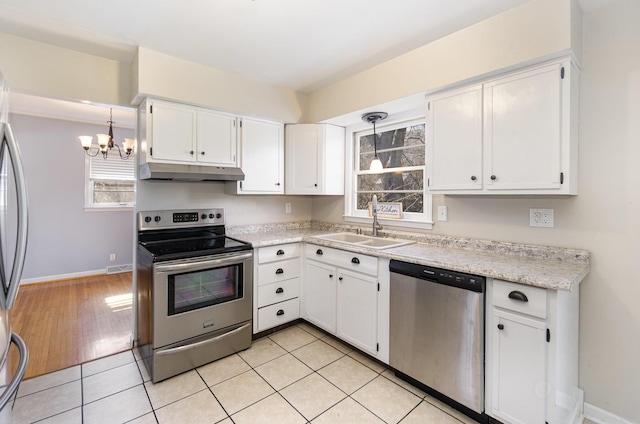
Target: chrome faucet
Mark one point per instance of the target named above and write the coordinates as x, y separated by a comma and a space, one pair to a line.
374, 211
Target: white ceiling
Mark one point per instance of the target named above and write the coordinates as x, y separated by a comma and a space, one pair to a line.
298, 44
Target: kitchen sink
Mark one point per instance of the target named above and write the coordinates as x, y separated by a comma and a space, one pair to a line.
362, 240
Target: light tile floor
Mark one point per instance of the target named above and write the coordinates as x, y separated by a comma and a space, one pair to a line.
298, 375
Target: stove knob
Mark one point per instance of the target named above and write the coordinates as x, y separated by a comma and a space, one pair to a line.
211, 216
218, 215
157, 218
203, 216
147, 219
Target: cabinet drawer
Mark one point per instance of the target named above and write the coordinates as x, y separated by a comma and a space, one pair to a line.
278, 271
343, 259
279, 252
277, 314
269, 294
512, 296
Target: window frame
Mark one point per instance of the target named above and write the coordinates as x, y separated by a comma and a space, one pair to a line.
422, 220
89, 205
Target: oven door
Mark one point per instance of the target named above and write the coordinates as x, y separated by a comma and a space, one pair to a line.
196, 296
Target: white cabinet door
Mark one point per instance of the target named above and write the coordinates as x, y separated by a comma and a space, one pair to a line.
314, 159
216, 138
173, 129
519, 369
320, 295
358, 310
523, 130
262, 157
303, 148
454, 139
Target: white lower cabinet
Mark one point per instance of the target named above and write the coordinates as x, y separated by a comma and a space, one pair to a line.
276, 286
532, 354
341, 295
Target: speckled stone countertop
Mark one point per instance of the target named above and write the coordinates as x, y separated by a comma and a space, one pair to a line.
541, 266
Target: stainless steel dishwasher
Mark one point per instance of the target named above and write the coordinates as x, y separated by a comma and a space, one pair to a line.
437, 333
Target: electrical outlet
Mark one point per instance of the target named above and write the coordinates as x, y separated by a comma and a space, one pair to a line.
112, 257
541, 217
287, 208
442, 213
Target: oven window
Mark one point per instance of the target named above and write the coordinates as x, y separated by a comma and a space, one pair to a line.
199, 289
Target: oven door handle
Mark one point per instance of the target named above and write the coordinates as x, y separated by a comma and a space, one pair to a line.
202, 343
230, 259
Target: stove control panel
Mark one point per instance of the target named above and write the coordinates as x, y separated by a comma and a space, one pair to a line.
182, 218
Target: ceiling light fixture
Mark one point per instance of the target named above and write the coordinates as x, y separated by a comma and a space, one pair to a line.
105, 142
373, 117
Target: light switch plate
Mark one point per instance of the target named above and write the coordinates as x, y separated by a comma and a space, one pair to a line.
541, 217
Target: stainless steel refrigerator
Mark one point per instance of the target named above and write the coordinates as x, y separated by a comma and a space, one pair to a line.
13, 246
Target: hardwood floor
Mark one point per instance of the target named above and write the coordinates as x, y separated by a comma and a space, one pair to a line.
69, 322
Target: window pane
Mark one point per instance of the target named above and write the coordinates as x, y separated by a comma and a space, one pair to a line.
396, 148
409, 180
411, 202
113, 192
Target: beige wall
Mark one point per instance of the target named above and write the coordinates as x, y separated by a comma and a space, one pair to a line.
49, 71
538, 28
168, 77
604, 218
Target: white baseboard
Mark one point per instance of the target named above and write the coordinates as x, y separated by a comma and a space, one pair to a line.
601, 416
116, 269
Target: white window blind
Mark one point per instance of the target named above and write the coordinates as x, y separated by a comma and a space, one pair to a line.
112, 168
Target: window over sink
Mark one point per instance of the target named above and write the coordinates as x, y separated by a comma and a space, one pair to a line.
401, 149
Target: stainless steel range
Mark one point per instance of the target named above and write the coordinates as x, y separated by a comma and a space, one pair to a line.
194, 290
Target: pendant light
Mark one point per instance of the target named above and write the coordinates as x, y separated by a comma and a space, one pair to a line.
373, 117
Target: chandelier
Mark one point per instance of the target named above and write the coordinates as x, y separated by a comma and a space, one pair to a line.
105, 142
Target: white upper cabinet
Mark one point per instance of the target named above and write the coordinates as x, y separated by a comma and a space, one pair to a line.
454, 119
216, 138
185, 134
516, 134
261, 158
314, 159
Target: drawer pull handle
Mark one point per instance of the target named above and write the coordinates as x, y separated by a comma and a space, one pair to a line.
280, 312
280, 252
319, 252
519, 296
355, 260
500, 326
279, 271
279, 290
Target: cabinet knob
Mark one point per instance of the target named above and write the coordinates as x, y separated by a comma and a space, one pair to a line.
202, 153
519, 296
330, 275
279, 290
191, 152
493, 177
473, 178
355, 260
340, 278
319, 252
279, 271
278, 184
280, 312
315, 185
500, 326
280, 252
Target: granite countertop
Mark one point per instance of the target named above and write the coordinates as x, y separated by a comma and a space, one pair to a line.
541, 266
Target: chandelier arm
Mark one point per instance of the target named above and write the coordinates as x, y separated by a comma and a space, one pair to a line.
92, 155
125, 157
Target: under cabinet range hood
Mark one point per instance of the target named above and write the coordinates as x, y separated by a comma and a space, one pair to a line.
182, 172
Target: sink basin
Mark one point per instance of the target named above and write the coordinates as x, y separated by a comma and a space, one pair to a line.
362, 240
